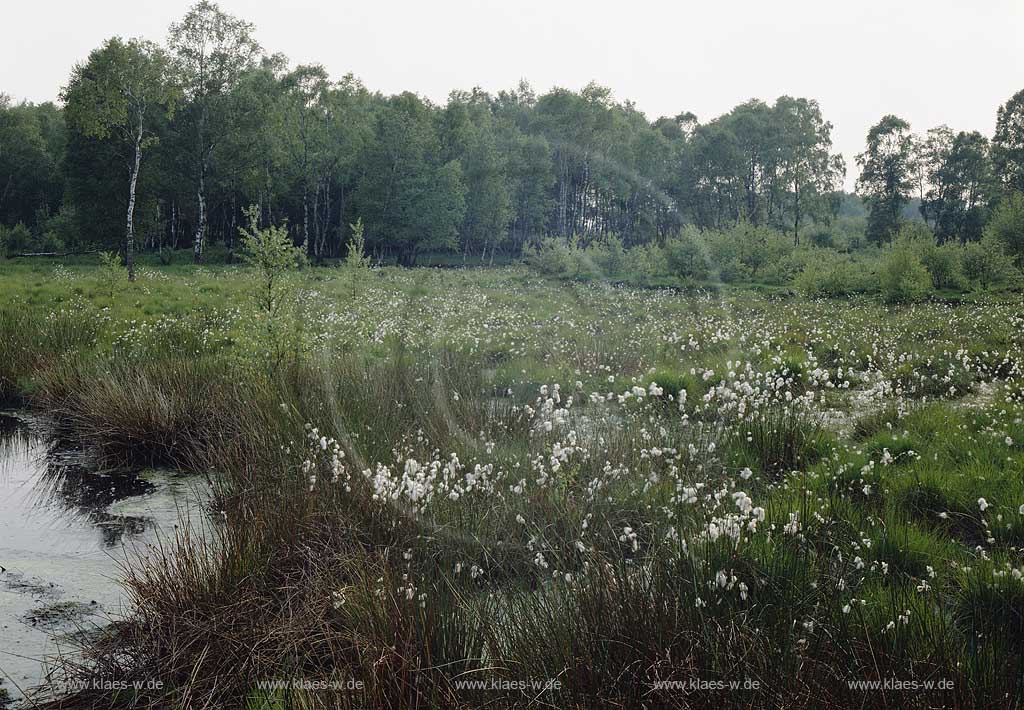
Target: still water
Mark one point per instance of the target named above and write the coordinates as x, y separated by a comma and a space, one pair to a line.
66, 530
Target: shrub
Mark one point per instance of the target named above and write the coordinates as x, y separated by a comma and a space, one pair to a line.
686, 255
608, 255
944, 265
986, 265
903, 278
60, 230
826, 273
821, 235
556, 257
748, 252
644, 262
1007, 226
551, 257
15, 239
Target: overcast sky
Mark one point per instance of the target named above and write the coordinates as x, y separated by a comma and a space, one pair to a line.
928, 61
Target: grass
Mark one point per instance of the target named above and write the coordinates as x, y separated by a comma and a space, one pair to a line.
413, 504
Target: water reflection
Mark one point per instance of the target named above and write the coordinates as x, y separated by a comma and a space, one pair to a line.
65, 531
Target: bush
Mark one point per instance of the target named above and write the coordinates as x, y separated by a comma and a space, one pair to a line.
903, 278
112, 273
277, 335
746, 252
686, 256
556, 257
944, 265
826, 273
355, 251
14, 240
1007, 226
941, 261
644, 262
550, 257
60, 230
821, 235
986, 265
608, 255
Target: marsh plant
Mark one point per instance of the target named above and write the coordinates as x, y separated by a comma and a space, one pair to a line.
495, 474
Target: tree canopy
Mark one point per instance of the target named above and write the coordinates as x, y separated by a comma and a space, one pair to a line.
479, 174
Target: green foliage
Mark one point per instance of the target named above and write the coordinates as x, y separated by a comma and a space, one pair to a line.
564, 259
482, 174
957, 179
356, 258
112, 273
609, 256
224, 124
115, 95
1008, 143
885, 178
746, 252
118, 90
902, 277
945, 265
986, 265
34, 144
686, 255
1007, 226
644, 262
412, 197
943, 261
468, 134
277, 335
827, 273
16, 239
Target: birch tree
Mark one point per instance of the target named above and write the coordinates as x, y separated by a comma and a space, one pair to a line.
211, 51
117, 93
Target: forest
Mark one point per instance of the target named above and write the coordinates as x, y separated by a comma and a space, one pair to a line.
162, 147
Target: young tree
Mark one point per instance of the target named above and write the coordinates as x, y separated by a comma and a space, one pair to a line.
272, 253
118, 92
885, 178
211, 51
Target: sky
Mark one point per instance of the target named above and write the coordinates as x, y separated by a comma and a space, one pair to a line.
930, 62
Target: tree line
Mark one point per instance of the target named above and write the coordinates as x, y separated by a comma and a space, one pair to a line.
163, 147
